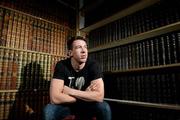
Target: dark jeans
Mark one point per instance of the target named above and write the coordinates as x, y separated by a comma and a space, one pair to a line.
82, 111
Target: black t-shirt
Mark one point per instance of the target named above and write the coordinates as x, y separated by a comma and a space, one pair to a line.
78, 80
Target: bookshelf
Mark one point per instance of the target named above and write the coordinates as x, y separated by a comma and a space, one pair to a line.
30, 46
138, 50
139, 37
152, 105
136, 7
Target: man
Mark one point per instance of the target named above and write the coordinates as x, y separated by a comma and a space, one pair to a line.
77, 86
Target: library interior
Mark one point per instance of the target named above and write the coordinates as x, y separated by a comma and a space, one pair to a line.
136, 43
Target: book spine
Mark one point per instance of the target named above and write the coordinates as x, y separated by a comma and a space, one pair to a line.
2, 104
14, 30
5, 68
174, 51
137, 60
156, 52
52, 39
5, 28
1, 68
45, 69
19, 30
61, 40
30, 34
63, 43
1, 22
19, 58
58, 40
26, 31
55, 39
152, 48
38, 37
10, 26
141, 54
48, 39
178, 46
22, 34
34, 34
9, 69
42, 39
49, 69
162, 51
167, 49
15, 70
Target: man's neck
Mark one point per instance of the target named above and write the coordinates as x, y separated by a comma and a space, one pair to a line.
76, 65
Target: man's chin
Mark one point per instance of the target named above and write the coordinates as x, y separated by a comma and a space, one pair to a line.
83, 60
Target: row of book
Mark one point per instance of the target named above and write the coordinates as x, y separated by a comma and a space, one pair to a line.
23, 105
153, 87
156, 51
25, 32
46, 9
26, 69
136, 23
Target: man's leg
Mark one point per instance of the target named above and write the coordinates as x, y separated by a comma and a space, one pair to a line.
55, 112
102, 110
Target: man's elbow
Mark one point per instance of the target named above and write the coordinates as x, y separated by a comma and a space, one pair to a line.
54, 100
100, 98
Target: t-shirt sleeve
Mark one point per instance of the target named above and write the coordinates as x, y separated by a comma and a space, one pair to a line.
95, 71
59, 71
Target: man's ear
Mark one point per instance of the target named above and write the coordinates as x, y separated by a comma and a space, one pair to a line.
69, 53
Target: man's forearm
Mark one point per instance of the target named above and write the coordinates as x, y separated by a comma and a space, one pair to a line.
87, 95
63, 98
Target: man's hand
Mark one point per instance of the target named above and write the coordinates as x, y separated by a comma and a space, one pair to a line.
93, 86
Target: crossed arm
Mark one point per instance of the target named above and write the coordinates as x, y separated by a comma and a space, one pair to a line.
64, 94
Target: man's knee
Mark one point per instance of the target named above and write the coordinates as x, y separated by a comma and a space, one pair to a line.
103, 106
47, 112
53, 112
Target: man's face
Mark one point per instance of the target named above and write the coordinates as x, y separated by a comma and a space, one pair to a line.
79, 51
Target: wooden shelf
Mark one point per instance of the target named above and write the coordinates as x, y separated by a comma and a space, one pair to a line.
2, 47
175, 65
132, 9
145, 104
149, 34
7, 91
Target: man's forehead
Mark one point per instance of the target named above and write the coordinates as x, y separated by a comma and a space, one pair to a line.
79, 41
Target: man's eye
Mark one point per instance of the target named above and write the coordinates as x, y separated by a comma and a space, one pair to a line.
86, 46
78, 47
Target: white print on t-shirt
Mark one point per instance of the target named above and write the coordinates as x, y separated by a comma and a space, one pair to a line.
71, 81
80, 81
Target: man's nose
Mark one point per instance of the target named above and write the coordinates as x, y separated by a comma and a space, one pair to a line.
83, 49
